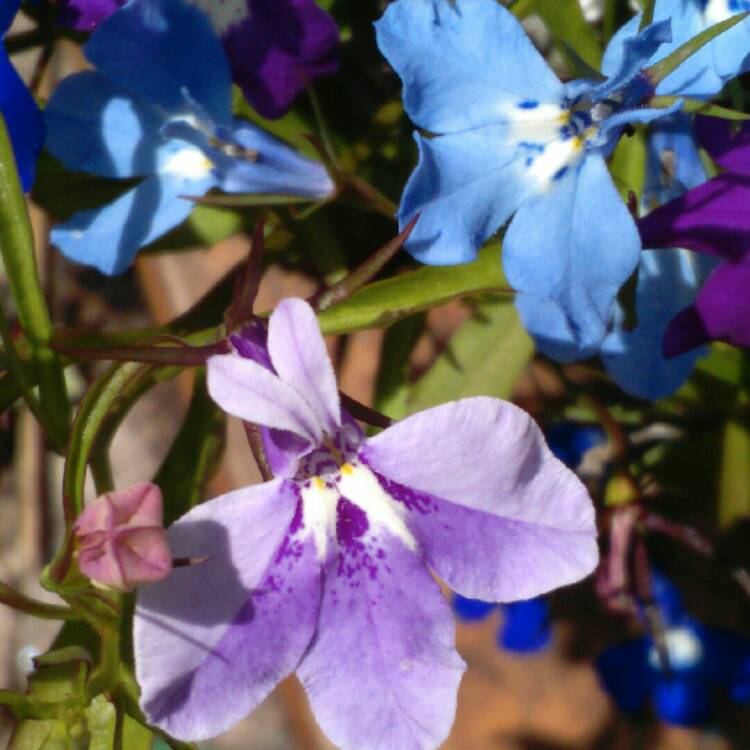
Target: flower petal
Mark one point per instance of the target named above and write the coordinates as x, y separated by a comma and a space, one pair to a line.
214, 638
711, 218
382, 671
8, 12
109, 238
86, 15
721, 312
96, 126
575, 243
249, 391
22, 118
626, 675
167, 53
278, 49
299, 356
277, 168
495, 487
495, 555
729, 149
462, 63
667, 282
464, 188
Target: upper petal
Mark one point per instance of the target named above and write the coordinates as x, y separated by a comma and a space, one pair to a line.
299, 356
213, 638
249, 391
575, 243
96, 126
462, 63
109, 237
85, 15
485, 454
382, 672
166, 52
729, 149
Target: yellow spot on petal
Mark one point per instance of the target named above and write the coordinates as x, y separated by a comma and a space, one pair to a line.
319, 483
347, 469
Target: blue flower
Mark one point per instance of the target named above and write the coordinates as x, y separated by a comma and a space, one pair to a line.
514, 140
701, 659
525, 628
705, 73
22, 117
158, 107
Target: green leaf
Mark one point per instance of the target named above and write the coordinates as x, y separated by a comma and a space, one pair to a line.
392, 387
565, 21
485, 357
193, 458
628, 165
734, 473
660, 70
384, 302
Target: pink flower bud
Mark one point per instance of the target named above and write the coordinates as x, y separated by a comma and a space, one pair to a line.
121, 538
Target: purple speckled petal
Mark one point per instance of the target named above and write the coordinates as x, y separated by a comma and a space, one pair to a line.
711, 218
299, 356
382, 672
214, 638
485, 454
278, 49
249, 391
721, 312
483, 556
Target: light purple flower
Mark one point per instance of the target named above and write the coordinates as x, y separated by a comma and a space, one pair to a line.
324, 570
712, 219
275, 47
120, 538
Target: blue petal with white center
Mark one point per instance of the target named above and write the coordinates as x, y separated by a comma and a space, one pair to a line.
22, 117
704, 73
164, 116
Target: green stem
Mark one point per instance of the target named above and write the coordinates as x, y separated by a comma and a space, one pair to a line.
26, 708
106, 676
12, 598
647, 18
17, 247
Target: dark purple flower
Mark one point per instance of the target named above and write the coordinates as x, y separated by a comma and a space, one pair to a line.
324, 569
714, 219
275, 47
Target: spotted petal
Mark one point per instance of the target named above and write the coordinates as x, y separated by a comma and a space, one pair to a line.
508, 524
382, 672
214, 638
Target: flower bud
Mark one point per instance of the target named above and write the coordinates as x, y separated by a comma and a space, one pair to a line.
121, 538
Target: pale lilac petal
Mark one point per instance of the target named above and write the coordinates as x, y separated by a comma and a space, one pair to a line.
210, 640
485, 454
299, 356
382, 672
249, 391
484, 556
506, 519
